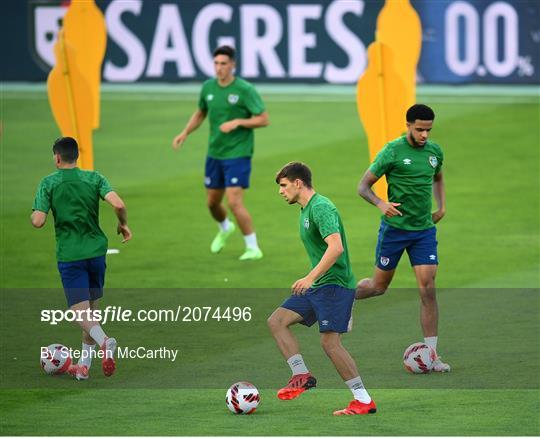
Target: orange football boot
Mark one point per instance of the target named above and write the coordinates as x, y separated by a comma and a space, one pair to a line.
358, 408
108, 364
296, 386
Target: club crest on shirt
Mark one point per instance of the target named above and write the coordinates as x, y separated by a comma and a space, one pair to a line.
385, 261
433, 161
210, 97
306, 223
232, 98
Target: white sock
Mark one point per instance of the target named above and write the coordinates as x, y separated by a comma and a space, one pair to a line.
225, 225
296, 362
87, 353
357, 388
431, 341
98, 334
251, 241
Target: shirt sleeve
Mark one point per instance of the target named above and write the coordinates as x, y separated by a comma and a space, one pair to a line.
326, 220
104, 186
42, 201
383, 162
439, 163
254, 102
202, 101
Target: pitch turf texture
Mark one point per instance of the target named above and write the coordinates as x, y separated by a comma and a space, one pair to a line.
488, 277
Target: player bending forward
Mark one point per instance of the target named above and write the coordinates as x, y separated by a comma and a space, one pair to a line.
325, 295
73, 196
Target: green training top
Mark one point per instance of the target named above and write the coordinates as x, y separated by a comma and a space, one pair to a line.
73, 196
318, 219
238, 100
409, 172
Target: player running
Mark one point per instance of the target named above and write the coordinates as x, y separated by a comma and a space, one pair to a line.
325, 294
412, 165
234, 109
73, 196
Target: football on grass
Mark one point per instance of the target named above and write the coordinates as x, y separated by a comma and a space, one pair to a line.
55, 359
242, 398
418, 358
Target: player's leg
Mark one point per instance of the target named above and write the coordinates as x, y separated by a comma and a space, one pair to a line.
376, 285
333, 306
391, 243
76, 277
296, 309
96, 268
214, 199
235, 200
279, 323
340, 357
424, 260
95, 332
215, 190
87, 349
237, 172
96, 280
226, 227
429, 311
346, 367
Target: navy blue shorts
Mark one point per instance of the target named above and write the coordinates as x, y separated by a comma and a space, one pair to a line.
227, 173
83, 280
329, 304
421, 247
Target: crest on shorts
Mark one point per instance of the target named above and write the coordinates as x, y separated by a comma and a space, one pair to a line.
306, 223
433, 161
232, 98
385, 261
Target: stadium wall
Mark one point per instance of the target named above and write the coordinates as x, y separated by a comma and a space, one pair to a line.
302, 41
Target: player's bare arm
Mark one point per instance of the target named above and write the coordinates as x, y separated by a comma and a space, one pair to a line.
38, 218
121, 213
364, 190
194, 122
258, 121
440, 197
330, 256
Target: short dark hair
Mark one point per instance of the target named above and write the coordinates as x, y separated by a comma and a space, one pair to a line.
295, 170
225, 50
67, 148
420, 112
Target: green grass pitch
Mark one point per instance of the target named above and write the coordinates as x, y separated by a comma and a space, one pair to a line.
488, 277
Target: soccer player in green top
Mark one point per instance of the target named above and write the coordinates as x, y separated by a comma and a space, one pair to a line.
73, 196
412, 165
234, 109
325, 294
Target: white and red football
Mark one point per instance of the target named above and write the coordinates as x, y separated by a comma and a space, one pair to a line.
418, 358
242, 398
55, 359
